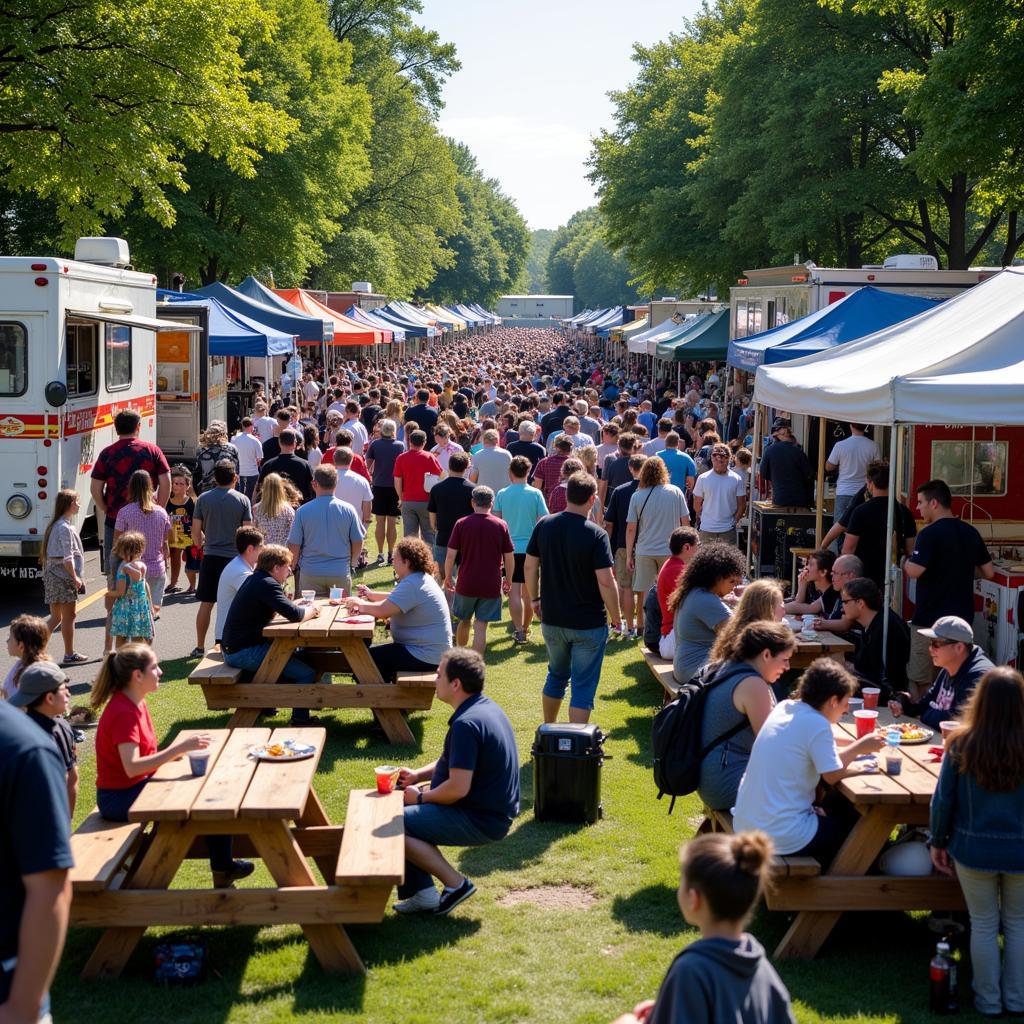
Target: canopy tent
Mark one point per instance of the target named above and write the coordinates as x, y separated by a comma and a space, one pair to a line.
628, 330
586, 319
610, 318
575, 321
414, 313
305, 328
259, 292
346, 332
961, 362
445, 317
363, 316
609, 323
646, 342
490, 317
862, 312
414, 328
705, 339
230, 333
472, 318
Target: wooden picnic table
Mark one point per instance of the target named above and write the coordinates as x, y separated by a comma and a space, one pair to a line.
123, 873
822, 645
884, 802
332, 646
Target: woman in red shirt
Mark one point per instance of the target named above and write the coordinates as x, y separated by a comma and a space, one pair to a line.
126, 748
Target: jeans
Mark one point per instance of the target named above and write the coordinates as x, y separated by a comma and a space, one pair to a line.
416, 520
247, 485
842, 503
712, 537
575, 654
442, 825
991, 896
394, 658
249, 659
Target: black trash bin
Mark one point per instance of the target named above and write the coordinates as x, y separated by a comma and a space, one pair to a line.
567, 761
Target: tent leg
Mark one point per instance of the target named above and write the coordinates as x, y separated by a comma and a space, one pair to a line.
819, 511
890, 521
753, 477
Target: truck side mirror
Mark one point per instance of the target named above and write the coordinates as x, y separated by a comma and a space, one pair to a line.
56, 393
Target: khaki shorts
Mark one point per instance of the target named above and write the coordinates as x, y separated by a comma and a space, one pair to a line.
646, 572
920, 669
623, 577
322, 584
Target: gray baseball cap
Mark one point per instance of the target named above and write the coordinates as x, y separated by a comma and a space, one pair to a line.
950, 627
36, 679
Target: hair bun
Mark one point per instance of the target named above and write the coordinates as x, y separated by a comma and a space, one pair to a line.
751, 851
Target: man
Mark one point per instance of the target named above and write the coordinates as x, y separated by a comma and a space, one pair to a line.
310, 389
352, 488
489, 466
526, 445
258, 600
114, 467
326, 537
343, 439
866, 536
473, 792
719, 499
554, 420
449, 501
219, 513
682, 470
647, 418
574, 593
570, 429
589, 424
616, 469
289, 465
547, 474
483, 545
445, 446
265, 426
609, 446
522, 507
421, 414
250, 455
961, 663
615, 522
877, 662
947, 557
786, 469
272, 446
354, 424
844, 569
410, 473
851, 457
371, 412
657, 442
248, 544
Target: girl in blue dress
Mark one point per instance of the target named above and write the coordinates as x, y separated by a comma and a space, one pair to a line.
132, 615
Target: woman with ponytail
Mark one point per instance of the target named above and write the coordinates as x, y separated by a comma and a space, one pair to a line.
724, 975
126, 747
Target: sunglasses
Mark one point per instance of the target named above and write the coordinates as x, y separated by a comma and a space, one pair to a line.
941, 643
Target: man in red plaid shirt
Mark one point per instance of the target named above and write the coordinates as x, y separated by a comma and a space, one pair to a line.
547, 474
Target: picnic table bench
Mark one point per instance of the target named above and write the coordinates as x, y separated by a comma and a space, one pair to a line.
123, 870
331, 646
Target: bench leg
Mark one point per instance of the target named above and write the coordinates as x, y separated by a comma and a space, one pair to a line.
395, 727
313, 815
244, 718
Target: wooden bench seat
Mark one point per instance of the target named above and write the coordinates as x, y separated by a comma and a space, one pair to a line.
372, 850
783, 866
662, 670
100, 848
213, 670
428, 679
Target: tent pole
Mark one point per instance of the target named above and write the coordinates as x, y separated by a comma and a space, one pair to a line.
890, 521
753, 476
820, 504
679, 380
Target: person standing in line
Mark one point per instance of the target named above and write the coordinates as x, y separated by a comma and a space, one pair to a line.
248, 544
214, 448
866, 535
250, 455
786, 469
526, 445
180, 507
682, 470
450, 500
616, 470
719, 499
272, 445
289, 464
547, 474
218, 515
657, 442
522, 507
63, 561
615, 522
351, 488
573, 591
976, 830
483, 545
354, 425
421, 414
851, 458
380, 461
411, 470
445, 446
263, 425
489, 466
143, 515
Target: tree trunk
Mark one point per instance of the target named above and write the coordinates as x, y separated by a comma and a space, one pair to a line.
956, 206
1013, 239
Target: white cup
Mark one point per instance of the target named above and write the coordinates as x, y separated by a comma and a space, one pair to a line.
308, 596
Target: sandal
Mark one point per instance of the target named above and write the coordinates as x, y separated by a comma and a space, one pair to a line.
74, 659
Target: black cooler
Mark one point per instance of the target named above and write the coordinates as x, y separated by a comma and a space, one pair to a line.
567, 763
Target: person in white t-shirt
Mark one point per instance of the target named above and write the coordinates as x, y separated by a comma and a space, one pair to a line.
851, 457
719, 498
351, 487
263, 424
310, 389
793, 751
353, 424
250, 455
249, 544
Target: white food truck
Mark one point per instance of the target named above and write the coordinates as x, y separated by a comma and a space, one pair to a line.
77, 346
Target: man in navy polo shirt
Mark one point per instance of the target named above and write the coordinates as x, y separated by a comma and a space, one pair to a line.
473, 792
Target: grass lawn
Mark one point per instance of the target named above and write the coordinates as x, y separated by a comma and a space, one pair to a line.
585, 958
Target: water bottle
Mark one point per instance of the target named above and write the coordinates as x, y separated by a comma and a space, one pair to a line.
893, 757
942, 974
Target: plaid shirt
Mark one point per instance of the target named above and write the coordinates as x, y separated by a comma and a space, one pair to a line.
547, 473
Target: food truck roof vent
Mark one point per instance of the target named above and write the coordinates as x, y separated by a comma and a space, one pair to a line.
104, 252
362, 286
911, 261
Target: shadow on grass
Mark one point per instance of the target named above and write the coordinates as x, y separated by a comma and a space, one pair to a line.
637, 729
643, 691
653, 909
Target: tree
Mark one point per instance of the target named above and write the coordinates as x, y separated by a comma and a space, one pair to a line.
569, 241
101, 99
536, 262
601, 277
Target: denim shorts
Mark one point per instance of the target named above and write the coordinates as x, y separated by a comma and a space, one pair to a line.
574, 655
484, 609
445, 825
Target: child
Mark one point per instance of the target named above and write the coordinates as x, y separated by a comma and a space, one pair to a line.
725, 974
43, 692
126, 750
27, 643
132, 615
180, 507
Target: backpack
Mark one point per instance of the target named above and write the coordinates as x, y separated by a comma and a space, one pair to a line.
675, 732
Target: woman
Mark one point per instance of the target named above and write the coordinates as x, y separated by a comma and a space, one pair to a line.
793, 751
558, 500
274, 513
977, 826
26, 643
421, 626
63, 561
311, 442
697, 607
762, 601
738, 704
393, 411
215, 447
143, 515
815, 593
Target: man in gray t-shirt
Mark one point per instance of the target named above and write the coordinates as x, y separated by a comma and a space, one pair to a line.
490, 464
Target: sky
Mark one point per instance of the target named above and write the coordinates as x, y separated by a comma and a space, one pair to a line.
533, 87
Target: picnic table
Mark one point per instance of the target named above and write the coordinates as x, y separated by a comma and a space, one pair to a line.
123, 871
332, 646
884, 802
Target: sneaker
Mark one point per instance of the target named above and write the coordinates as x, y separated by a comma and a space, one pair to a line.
451, 899
423, 902
391, 559
239, 869
198, 652
74, 659
380, 561
519, 637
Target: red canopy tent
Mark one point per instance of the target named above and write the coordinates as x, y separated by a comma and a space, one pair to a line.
346, 331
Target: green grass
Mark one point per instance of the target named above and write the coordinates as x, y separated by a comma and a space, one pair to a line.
488, 962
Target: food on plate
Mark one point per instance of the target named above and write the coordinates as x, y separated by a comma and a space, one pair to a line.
910, 732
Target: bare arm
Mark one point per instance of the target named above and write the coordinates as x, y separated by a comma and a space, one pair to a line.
986, 571
698, 504
135, 765
355, 551
294, 549
834, 533
96, 490
741, 507
630, 544
72, 788
398, 487
915, 571
367, 507
163, 489
531, 574
451, 791
197, 531
449, 568
850, 543
869, 744
754, 699
609, 593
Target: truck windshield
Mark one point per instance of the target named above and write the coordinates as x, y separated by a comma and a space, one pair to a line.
13, 359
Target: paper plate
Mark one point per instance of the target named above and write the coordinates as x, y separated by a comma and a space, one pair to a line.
294, 752
358, 620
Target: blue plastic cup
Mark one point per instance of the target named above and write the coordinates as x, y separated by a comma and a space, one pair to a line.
199, 762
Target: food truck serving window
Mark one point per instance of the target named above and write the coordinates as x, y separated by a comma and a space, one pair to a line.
13, 359
81, 359
118, 354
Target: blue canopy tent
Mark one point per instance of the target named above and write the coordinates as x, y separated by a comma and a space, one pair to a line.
365, 316
472, 319
595, 318
491, 318
860, 313
231, 333
603, 329
306, 328
414, 328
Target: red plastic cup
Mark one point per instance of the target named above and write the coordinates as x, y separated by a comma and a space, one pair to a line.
870, 695
947, 728
387, 776
865, 722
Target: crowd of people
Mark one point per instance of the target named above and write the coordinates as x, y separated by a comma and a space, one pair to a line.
527, 467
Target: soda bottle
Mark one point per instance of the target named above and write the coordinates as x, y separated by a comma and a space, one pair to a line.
942, 976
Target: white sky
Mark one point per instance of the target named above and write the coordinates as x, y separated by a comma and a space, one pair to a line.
533, 87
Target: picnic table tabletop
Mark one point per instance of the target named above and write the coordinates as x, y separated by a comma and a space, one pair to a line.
330, 624
829, 644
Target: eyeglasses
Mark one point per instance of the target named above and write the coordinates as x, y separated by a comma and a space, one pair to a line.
848, 600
